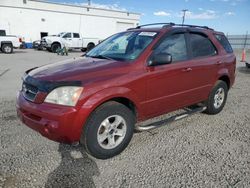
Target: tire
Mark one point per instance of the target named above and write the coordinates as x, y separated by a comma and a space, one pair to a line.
49, 49
83, 49
97, 137
7, 48
217, 98
90, 46
248, 65
55, 47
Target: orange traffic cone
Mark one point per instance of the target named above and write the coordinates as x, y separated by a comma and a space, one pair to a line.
243, 56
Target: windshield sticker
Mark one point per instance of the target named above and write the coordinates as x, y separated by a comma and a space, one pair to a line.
150, 34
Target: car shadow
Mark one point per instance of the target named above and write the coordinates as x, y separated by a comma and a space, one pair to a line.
76, 169
244, 70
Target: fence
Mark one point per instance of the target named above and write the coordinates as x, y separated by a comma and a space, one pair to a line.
239, 41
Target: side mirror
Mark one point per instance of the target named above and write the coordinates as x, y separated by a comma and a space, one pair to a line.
160, 59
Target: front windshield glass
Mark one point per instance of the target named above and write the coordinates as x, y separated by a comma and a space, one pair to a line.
123, 46
60, 34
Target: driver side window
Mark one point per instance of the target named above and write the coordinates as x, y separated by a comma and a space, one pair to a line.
67, 35
175, 45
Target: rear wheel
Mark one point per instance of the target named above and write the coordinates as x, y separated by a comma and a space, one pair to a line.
55, 47
108, 130
7, 48
217, 98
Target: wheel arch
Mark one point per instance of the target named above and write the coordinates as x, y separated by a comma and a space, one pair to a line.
56, 42
6, 42
226, 79
91, 43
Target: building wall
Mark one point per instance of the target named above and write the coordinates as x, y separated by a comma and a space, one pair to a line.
30, 18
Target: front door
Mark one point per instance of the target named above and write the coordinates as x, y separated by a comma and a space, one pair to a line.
171, 86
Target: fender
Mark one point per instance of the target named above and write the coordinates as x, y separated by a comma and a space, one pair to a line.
95, 100
220, 73
104, 95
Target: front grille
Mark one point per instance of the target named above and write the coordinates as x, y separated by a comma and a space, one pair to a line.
29, 91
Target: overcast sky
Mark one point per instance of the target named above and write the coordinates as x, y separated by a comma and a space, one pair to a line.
229, 16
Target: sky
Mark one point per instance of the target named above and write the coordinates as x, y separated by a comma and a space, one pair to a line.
228, 16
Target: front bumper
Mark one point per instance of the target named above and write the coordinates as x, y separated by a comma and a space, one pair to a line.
44, 44
58, 123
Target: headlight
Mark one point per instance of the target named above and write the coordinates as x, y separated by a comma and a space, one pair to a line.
66, 95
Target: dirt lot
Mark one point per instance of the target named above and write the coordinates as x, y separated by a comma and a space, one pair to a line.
200, 151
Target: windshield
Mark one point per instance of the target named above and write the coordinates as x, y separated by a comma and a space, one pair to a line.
60, 34
123, 46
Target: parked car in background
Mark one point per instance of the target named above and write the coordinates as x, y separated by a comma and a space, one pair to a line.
37, 45
131, 76
70, 40
8, 42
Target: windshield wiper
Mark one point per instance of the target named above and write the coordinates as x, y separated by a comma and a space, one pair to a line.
101, 57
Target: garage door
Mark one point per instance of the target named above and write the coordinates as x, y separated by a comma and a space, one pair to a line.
123, 26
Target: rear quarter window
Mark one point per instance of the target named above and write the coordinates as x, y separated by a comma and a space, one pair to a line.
201, 46
224, 42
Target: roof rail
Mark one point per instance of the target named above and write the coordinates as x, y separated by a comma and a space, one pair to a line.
170, 24
164, 24
197, 26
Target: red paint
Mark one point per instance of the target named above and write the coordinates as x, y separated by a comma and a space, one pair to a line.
153, 90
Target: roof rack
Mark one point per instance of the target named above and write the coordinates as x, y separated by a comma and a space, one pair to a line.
170, 24
197, 26
164, 25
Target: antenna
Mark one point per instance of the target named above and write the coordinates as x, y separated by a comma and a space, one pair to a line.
89, 2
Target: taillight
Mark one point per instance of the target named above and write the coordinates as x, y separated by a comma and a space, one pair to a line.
20, 40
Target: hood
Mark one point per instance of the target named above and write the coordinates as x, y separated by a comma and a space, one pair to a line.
80, 69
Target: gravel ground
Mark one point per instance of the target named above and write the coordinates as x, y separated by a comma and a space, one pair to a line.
200, 151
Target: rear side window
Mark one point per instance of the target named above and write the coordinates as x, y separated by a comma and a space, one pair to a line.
175, 45
224, 42
76, 35
201, 46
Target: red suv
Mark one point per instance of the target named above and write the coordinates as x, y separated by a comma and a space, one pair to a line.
131, 76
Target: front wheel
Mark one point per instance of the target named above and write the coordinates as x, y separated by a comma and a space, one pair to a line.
108, 130
248, 65
55, 47
217, 98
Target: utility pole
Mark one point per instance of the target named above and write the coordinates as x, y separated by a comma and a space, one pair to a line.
184, 15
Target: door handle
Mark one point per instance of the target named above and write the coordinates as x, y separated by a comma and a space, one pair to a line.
187, 69
219, 62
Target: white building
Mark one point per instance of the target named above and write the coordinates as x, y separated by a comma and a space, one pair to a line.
33, 19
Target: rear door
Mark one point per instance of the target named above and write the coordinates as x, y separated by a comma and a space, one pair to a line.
76, 40
204, 64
